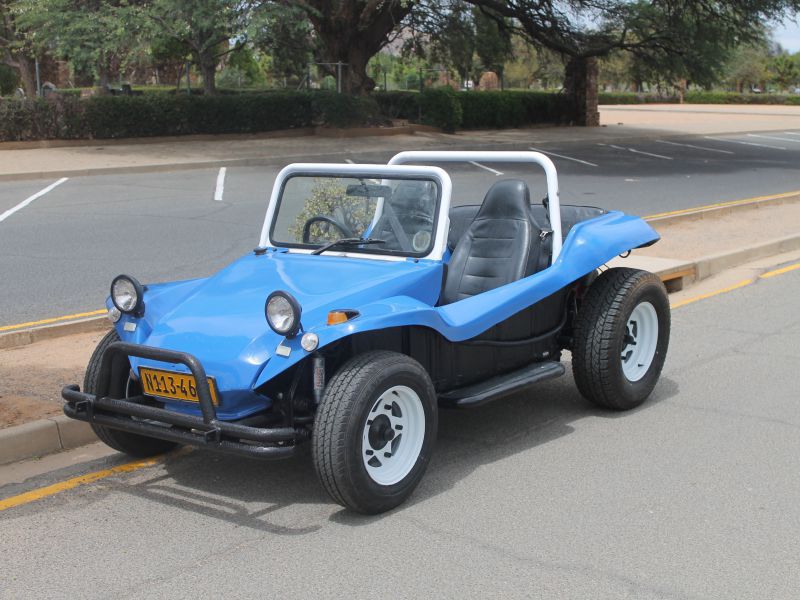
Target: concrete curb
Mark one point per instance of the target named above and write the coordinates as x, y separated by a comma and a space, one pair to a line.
23, 337
325, 132
723, 209
45, 436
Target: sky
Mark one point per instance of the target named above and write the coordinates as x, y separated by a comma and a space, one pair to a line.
788, 36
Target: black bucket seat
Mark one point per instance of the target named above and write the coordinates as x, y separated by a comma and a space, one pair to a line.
500, 246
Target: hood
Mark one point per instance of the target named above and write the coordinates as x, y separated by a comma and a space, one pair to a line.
222, 323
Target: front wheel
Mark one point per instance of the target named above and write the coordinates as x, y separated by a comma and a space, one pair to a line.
374, 431
131, 444
621, 336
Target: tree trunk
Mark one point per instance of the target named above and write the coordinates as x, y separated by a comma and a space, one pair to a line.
352, 32
27, 73
208, 69
580, 85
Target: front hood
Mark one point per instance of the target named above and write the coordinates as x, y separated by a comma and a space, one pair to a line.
222, 323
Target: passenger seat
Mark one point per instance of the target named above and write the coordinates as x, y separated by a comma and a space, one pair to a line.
501, 245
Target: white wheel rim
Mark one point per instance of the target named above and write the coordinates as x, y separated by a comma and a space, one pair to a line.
393, 435
641, 339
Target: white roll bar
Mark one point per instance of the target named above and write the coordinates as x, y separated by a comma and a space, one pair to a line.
426, 156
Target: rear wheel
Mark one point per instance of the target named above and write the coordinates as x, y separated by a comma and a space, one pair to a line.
621, 337
138, 446
374, 431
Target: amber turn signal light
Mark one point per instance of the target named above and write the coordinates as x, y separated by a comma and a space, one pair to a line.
336, 317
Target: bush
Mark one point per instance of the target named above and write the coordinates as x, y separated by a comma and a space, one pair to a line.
398, 105
699, 97
66, 116
343, 110
441, 108
9, 80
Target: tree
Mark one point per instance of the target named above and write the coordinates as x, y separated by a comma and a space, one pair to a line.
784, 70
747, 67
492, 41
352, 32
95, 35
15, 49
284, 33
583, 30
454, 42
204, 27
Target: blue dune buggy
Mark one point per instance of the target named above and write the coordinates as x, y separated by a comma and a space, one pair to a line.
369, 303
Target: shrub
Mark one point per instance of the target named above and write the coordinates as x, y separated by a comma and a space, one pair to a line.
699, 97
441, 108
343, 110
398, 105
9, 80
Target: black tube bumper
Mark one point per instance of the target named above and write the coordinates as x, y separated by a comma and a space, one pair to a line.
205, 431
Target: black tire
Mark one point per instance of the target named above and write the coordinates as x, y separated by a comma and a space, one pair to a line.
134, 445
601, 334
349, 402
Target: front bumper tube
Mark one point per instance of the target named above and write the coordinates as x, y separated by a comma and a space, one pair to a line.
206, 431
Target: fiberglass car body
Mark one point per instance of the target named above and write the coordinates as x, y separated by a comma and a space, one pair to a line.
369, 303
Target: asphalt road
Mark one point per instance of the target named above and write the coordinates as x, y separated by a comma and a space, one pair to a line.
694, 495
59, 254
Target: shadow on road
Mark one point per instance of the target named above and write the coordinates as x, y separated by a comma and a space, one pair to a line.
250, 493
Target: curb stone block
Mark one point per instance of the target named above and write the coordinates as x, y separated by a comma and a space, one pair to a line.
27, 440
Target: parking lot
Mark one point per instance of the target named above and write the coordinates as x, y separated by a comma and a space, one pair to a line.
59, 251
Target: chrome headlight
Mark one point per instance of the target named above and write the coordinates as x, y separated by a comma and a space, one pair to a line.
127, 295
283, 313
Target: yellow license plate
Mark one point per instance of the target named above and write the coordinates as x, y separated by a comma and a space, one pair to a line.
175, 386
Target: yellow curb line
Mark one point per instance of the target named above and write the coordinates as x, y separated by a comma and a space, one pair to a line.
93, 313
736, 286
687, 211
730, 288
780, 271
69, 484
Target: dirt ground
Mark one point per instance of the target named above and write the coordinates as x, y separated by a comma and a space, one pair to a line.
51, 364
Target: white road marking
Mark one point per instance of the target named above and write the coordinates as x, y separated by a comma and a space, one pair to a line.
491, 170
30, 199
708, 137
220, 184
695, 147
791, 132
771, 137
635, 151
577, 160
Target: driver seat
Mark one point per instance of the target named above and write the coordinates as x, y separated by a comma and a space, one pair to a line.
500, 246
409, 211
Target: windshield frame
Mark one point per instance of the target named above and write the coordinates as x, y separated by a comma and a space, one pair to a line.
356, 171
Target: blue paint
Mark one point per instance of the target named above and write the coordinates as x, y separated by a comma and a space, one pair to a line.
220, 319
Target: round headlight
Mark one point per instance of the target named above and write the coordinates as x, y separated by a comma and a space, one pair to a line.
126, 294
283, 313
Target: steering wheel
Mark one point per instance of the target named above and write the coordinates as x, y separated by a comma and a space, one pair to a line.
326, 223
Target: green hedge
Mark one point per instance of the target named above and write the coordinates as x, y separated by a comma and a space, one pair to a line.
478, 109
164, 114
699, 98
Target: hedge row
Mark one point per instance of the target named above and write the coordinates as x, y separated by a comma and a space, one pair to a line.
104, 117
451, 110
699, 98
161, 114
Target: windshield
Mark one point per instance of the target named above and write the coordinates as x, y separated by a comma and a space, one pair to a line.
316, 210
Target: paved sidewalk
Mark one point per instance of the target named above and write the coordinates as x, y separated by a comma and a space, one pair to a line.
619, 123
